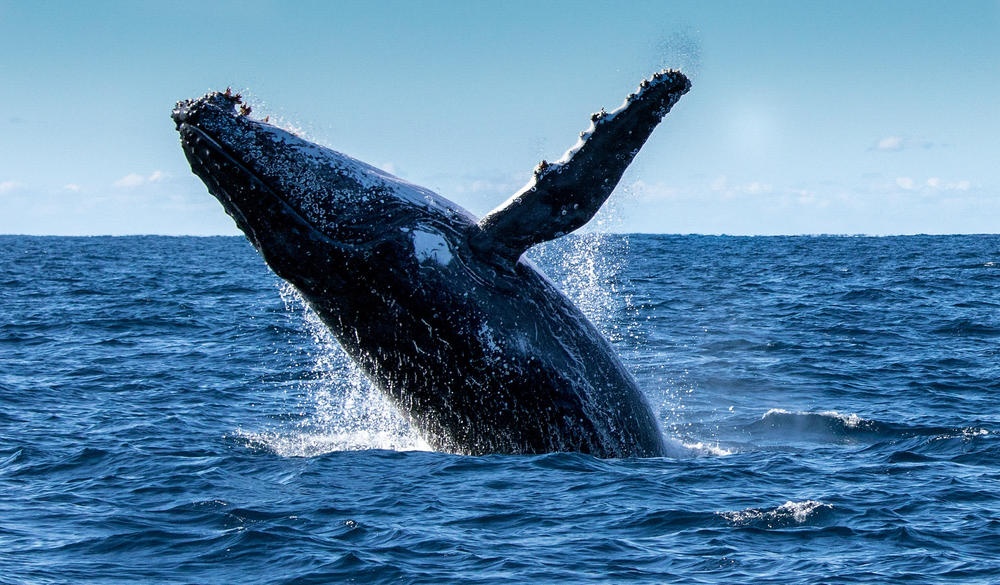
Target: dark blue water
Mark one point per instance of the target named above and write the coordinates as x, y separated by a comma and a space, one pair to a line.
169, 413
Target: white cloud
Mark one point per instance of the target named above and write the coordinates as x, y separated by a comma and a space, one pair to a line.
898, 143
9, 186
932, 184
756, 188
130, 181
496, 185
890, 144
808, 197
719, 183
72, 187
722, 185
652, 191
133, 180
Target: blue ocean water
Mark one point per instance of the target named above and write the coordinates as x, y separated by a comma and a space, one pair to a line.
170, 413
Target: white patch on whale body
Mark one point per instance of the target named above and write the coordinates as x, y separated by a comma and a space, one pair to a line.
431, 246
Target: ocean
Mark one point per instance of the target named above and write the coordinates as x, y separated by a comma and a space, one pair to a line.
170, 412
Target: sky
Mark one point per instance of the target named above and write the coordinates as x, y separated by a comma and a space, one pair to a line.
803, 118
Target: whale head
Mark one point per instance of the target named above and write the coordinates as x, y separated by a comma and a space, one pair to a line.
308, 209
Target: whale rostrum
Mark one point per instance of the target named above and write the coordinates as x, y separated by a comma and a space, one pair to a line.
476, 348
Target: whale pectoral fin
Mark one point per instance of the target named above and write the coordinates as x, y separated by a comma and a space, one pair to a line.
564, 195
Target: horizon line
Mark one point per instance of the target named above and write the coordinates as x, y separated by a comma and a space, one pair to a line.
587, 233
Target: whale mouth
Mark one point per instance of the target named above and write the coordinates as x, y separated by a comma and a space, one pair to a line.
212, 132
193, 118
229, 178
239, 189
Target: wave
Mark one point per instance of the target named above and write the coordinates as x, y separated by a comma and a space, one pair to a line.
966, 328
787, 515
832, 426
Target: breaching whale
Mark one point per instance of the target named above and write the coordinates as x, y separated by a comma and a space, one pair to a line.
475, 347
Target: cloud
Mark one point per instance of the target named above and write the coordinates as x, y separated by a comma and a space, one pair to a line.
492, 184
652, 191
72, 187
932, 184
722, 185
130, 181
9, 186
133, 180
898, 143
890, 144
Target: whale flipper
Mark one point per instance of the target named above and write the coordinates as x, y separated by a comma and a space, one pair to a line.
564, 195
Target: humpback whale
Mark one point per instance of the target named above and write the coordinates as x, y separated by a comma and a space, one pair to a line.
476, 347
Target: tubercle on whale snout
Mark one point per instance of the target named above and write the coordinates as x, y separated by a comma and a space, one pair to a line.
224, 102
249, 166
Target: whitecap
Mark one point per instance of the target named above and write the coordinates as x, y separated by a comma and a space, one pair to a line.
788, 514
316, 443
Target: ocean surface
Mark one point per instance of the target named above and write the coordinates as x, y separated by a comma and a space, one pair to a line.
171, 413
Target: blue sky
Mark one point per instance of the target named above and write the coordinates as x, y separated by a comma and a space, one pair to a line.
804, 117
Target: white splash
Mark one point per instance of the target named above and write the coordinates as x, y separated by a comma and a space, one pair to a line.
587, 268
342, 410
314, 443
788, 514
702, 449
